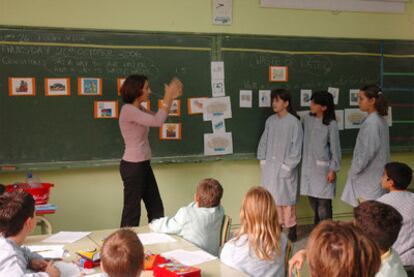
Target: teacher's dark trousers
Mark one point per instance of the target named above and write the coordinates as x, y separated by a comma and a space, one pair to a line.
139, 183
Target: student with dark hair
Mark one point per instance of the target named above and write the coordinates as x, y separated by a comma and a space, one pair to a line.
279, 152
122, 254
382, 223
321, 155
372, 149
135, 168
17, 221
396, 178
200, 222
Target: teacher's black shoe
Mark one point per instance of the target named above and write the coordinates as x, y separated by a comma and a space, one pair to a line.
292, 234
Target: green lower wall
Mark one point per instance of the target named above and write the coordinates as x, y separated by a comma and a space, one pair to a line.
91, 198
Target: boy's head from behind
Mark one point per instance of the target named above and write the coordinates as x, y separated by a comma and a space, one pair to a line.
378, 221
340, 249
397, 175
209, 193
122, 254
16, 208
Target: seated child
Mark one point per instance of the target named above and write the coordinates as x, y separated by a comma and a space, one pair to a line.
396, 178
259, 247
200, 222
382, 223
122, 254
17, 221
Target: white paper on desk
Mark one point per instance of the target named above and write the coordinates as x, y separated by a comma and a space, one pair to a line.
51, 251
189, 258
154, 238
68, 269
66, 237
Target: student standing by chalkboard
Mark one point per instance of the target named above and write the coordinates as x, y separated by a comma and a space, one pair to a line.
135, 168
279, 152
321, 155
372, 149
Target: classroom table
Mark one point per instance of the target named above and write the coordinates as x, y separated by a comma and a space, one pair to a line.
95, 239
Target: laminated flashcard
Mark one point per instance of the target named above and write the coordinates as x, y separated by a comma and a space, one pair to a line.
22, 86
217, 87
353, 97
218, 124
246, 98
195, 105
218, 144
335, 94
175, 109
170, 131
217, 107
264, 98
222, 12
90, 86
389, 117
354, 118
305, 97
278, 73
57, 86
217, 70
119, 83
106, 109
339, 115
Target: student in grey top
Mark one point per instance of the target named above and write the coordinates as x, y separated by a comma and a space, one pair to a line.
372, 150
397, 177
321, 155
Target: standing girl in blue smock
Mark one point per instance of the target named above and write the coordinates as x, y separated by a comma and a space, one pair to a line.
279, 152
372, 149
321, 155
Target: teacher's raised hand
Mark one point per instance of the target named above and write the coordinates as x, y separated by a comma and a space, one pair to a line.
172, 91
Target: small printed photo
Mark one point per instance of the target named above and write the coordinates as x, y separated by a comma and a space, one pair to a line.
353, 97
106, 109
57, 86
335, 94
119, 83
264, 98
278, 73
305, 97
22, 86
195, 105
218, 88
246, 98
146, 105
170, 131
89, 86
175, 109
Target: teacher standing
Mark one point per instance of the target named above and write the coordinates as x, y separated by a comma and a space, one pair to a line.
135, 167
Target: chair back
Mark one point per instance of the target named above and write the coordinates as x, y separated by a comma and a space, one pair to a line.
225, 230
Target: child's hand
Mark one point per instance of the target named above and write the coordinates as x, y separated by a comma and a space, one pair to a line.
331, 176
297, 261
52, 270
38, 264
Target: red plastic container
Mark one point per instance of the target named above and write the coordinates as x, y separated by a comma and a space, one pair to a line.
40, 194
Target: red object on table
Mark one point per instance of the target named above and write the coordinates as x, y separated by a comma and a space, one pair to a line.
173, 269
40, 194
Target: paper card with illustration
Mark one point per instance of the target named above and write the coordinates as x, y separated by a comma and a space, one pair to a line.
354, 118
278, 73
301, 114
339, 115
217, 70
264, 98
106, 109
89, 86
218, 144
305, 97
57, 86
25, 86
195, 105
217, 107
222, 12
389, 117
217, 88
119, 83
353, 97
335, 94
219, 125
246, 98
175, 109
170, 131
146, 105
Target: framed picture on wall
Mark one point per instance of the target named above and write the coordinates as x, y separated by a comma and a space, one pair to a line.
57, 86
22, 86
106, 109
89, 86
278, 73
170, 131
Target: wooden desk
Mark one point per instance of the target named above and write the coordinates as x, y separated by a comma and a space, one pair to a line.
95, 239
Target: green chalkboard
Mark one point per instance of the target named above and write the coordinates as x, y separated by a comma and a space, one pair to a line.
42, 129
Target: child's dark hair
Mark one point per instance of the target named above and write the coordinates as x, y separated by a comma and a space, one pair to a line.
324, 98
378, 221
400, 173
131, 89
122, 254
373, 91
286, 96
209, 193
2, 189
15, 208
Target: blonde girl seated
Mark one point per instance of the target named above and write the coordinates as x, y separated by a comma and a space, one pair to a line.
258, 248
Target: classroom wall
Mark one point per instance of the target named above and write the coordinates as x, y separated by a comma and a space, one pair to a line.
91, 198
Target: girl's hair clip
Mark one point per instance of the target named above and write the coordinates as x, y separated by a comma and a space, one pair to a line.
379, 93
